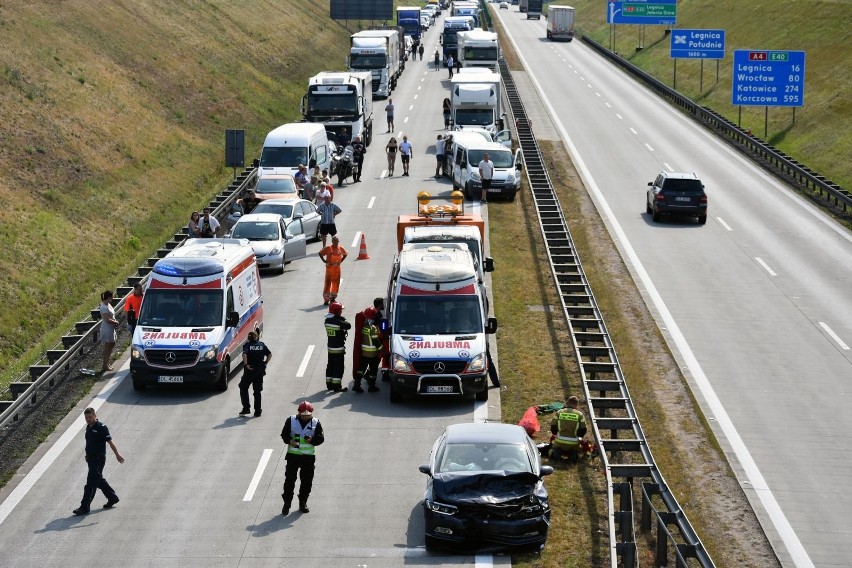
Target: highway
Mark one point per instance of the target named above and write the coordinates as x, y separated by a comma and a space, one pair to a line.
755, 304
201, 487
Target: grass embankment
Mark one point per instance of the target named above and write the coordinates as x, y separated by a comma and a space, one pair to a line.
821, 136
113, 118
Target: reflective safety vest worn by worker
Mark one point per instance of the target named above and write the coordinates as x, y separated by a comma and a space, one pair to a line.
569, 422
298, 433
336, 329
370, 343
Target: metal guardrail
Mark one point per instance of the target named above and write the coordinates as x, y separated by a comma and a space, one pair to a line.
24, 393
624, 450
772, 158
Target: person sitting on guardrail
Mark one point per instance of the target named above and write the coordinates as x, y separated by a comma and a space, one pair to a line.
194, 225
209, 225
568, 428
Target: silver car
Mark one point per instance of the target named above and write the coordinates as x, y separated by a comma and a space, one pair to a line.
291, 209
274, 240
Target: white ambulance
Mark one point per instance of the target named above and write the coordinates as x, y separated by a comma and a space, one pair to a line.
200, 303
438, 317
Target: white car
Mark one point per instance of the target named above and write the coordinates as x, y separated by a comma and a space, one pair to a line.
504, 5
275, 242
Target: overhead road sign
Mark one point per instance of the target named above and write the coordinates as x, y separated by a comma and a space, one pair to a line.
698, 44
768, 78
642, 12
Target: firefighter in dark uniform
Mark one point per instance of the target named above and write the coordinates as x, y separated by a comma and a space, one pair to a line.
337, 329
370, 346
568, 428
256, 356
302, 433
97, 438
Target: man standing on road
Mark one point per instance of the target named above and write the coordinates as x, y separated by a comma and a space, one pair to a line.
450, 64
420, 50
358, 151
132, 307
439, 155
332, 256
486, 172
302, 433
337, 329
569, 427
256, 356
405, 152
370, 346
328, 211
97, 438
389, 113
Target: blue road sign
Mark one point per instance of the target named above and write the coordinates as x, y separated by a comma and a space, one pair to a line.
698, 44
768, 78
643, 12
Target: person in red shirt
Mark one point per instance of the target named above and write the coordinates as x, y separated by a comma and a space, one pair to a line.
133, 306
333, 256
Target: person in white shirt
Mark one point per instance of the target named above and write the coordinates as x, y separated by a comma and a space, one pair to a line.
486, 172
405, 151
209, 225
439, 155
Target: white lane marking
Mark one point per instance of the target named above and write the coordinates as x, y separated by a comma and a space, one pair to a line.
668, 167
411, 107
765, 266
619, 117
722, 222
406, 120
608, 105
372, 201
633, 131
648, 146
833, 335
776, 516
419, 87
415, 97
357, 238
384, 174
17, 495
423, 79
597, 94
483, 561
258, 473
301, 372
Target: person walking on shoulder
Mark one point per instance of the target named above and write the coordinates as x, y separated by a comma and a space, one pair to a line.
97, 438
302, 433
406, 152
332, 256
337, 329
389, 113
109, 329
328, 210
256, 356
486, 172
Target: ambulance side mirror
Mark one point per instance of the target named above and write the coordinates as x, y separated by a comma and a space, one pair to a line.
233, 319
488, 265
491, 326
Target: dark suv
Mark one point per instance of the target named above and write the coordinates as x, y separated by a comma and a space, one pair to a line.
675, 193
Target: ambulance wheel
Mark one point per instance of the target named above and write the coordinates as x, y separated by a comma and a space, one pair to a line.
222, 383
483, 395
395, 397
139, 386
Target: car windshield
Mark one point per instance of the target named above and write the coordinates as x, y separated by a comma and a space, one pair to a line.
256, 231
283, 209
283, 156
501, 159
474, 116
267, 185
434, 315
485, 457
181, 308
688, 185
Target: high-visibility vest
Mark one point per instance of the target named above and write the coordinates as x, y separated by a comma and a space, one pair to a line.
298, 433
369, 340
336, 333
567, 425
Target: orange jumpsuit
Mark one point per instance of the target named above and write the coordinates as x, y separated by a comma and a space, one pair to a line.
333, 256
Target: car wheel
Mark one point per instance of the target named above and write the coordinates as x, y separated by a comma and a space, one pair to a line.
483, 395
222, 383
512, 195
702, 220
655, 215
139, 386
467, 193
395, 397
281, 270
648, 209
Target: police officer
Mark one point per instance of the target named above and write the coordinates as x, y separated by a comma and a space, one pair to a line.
256, 356
370, 346
569, 427
302, 433
337, 329
97, 438
358, 151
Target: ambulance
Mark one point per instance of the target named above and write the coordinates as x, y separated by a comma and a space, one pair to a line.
438, 317
200, 303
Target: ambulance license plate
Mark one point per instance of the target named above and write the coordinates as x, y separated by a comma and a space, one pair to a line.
169, 379
440, 389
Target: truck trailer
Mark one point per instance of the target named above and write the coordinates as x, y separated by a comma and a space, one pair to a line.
408, 18
560, 23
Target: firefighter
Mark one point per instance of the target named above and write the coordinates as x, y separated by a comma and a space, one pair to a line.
370, 346
568, 427
302, 433
332, 256
336, 328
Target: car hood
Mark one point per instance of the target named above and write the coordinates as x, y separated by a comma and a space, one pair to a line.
484, 488
262, 248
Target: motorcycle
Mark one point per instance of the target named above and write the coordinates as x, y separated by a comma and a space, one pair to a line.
343, 164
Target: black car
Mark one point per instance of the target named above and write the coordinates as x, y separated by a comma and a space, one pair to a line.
485, 491
674, 193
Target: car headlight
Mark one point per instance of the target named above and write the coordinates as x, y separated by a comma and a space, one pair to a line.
275, 251
474, 176
510, 179
209, 355
477, 363
441, 508
137, 354
400, 364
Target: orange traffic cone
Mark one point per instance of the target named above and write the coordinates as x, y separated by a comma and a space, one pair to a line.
362, 254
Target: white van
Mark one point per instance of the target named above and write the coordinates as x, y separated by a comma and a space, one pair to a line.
292, 144
200, 303
468, 150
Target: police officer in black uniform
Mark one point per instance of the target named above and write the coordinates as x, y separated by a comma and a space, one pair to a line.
256, 356
358, 151
97, 438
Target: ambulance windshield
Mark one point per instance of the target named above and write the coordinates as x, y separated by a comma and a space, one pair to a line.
182, 308
437, 315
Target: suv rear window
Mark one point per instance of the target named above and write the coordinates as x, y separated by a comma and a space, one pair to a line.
687, 185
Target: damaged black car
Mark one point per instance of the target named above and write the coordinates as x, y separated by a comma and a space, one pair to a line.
485, 491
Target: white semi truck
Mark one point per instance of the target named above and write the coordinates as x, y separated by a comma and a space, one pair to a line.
475, 101
341, 100
560, 23
478, 48
377, 51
